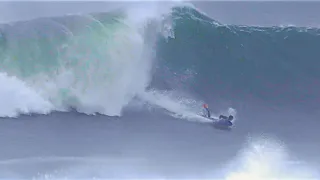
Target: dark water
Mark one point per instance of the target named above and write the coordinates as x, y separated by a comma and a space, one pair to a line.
274, 64
117, 96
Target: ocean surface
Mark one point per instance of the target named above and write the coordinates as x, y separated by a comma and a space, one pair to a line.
117, 93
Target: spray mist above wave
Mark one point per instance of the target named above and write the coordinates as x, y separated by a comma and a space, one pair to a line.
93, 63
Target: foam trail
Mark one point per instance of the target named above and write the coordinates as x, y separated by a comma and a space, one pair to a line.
177, 105
181, 106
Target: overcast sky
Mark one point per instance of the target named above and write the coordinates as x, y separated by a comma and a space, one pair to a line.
249, 13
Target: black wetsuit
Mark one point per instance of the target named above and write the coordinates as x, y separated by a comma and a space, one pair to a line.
208, 113
223, 117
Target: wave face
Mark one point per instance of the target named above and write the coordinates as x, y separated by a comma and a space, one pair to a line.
276, 65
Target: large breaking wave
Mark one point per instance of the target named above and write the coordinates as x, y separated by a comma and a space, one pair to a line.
100, 63
92, 63
97, 63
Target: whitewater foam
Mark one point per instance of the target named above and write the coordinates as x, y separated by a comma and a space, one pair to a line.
17, 97
265, 158
96, 66
100, 66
